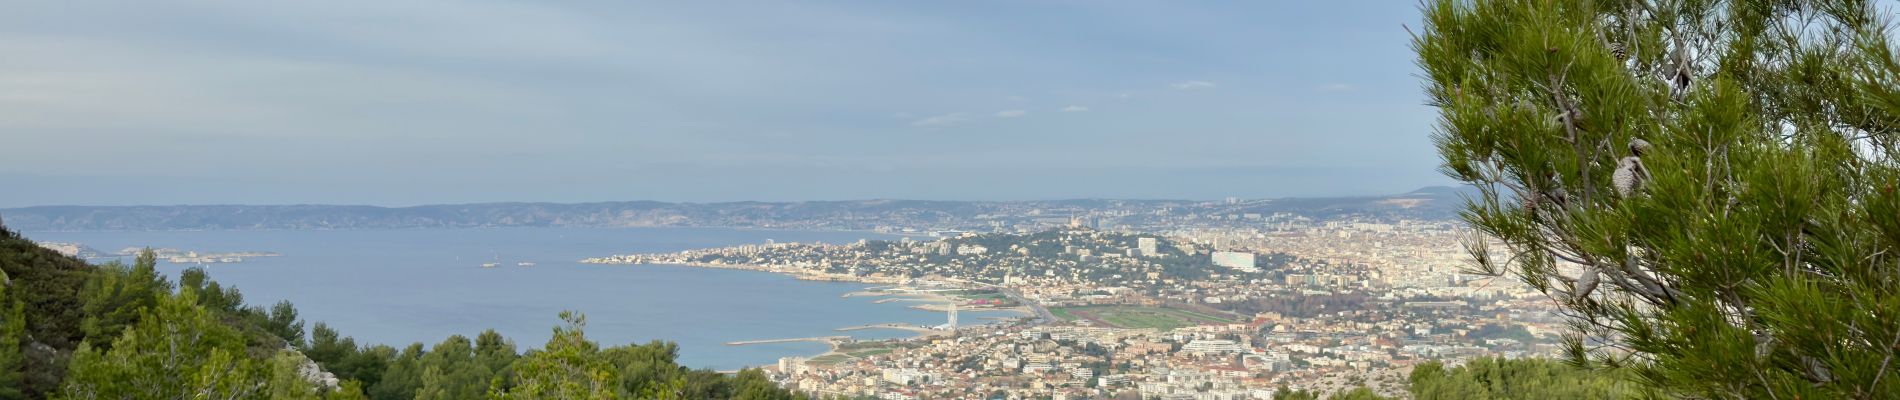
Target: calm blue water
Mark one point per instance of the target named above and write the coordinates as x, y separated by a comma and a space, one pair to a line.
402, 286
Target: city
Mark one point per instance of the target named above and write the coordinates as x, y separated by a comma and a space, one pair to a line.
968, 200
1230, 312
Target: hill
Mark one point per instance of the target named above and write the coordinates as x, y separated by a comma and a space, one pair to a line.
1428, 203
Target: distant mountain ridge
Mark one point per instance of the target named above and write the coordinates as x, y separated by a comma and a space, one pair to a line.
1426, 203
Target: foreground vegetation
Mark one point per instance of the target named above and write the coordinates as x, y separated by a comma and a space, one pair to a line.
1498, 379
1707, 186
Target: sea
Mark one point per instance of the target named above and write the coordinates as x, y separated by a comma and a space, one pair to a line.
405, 286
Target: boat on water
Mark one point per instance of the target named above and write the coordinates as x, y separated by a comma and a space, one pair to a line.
524, 264
490, 265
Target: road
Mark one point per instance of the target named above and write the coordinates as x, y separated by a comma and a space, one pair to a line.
1043, 316
907, 327
809, 339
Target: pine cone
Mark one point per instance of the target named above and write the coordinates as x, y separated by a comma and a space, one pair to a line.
1628, 176
1586, 283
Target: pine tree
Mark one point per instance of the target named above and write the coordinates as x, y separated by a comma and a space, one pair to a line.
176, 350
326, 346
282, 322
401, 376
116, 297
1706, 187
453, 370
568, 367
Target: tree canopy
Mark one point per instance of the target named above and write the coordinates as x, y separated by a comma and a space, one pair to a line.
1707, 187
1499, 378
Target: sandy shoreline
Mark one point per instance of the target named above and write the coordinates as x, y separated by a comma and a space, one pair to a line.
892, 292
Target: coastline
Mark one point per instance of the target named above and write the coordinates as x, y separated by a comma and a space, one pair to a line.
388, 311
936, 302
892, 291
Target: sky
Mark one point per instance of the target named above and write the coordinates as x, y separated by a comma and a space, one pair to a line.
428, 102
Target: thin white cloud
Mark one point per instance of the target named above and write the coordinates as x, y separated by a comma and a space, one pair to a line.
1191, 85
1075, 109
1011, 113
942, 120
1337, 87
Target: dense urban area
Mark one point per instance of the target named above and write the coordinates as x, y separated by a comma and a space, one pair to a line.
1198, 301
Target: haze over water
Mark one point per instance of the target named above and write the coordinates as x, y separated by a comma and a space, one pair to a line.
401, 286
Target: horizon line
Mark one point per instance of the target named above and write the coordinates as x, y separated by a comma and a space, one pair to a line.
1420, 189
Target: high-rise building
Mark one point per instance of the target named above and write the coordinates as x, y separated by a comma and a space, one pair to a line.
791, 365
1149, 246
1241, 261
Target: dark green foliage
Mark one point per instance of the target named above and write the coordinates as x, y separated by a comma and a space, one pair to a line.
48, 285
571, 367
369, 365
1499, 331
454, 369
752, 384
329, 347
12, 347
282, 322
211, 294
1707, 187
496, 353
1498, 378
340, 356
175, 349
1358, 393
646, 368
117, 297
403, 377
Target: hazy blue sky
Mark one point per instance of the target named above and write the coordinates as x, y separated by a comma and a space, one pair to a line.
413, 102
